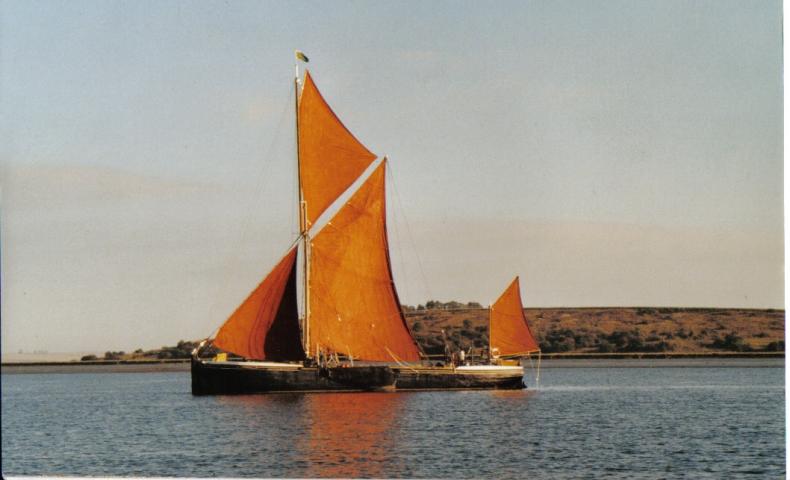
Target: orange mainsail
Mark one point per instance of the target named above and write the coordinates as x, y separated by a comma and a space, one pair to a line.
509, 330
330, 158
266, 324
354, 308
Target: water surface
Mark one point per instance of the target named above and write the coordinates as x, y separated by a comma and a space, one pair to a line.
614, 422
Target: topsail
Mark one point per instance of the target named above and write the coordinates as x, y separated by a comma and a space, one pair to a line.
330, 158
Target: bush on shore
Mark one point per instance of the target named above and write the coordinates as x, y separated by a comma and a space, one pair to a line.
183, 349
778, 346
731, 342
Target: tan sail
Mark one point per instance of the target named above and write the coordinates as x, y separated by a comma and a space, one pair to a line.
354, 308
330, 158
509, 331
266, 325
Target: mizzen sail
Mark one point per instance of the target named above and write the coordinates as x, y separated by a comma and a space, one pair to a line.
509, 330
266, 325
354, 308
330, 158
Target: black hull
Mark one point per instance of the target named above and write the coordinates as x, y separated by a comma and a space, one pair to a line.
450, 379
229, 378
223, 378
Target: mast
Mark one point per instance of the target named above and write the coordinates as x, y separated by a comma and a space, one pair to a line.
303, 231
490, 354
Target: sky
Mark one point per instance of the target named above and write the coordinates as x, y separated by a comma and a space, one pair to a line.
611, 153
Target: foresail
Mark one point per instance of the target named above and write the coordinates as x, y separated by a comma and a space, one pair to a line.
266, 324
354, 308
330, 158
510, 333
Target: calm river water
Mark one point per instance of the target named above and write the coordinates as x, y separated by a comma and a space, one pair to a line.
614, 422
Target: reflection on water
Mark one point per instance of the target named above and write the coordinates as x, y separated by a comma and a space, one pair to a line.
513, 395
253, 404
335, 434
352, 434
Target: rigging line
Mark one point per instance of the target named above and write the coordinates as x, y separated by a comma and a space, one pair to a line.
398, 242
398, 361
408, 230
233, 254
531, 365
517, 354
401, 310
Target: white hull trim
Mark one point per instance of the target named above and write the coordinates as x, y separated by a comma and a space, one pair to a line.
278, 365
490, 368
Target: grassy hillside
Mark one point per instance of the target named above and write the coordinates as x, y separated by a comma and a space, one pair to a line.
605, 330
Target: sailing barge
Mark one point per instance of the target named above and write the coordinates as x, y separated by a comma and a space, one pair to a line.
351, 334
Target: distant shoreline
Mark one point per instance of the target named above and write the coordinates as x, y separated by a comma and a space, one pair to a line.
125, 366
553, 360
564, 355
